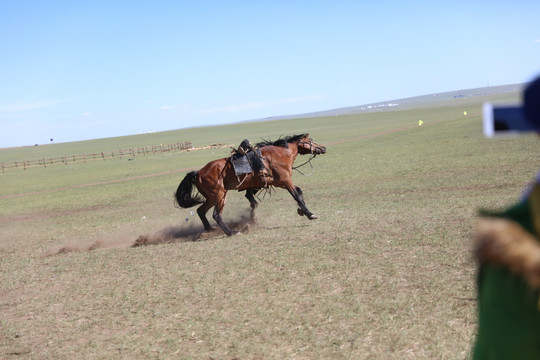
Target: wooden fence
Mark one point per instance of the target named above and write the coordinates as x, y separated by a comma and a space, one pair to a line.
72, 159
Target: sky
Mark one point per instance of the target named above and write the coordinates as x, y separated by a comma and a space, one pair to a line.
78, 70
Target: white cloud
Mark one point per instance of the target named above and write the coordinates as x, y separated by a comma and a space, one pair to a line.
87, 114
26, 106
167, 107
235, 108
301, 98
536, 41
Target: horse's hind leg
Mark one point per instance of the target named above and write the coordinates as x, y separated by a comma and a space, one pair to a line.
297, 194
218, 210
201, 211
250, 195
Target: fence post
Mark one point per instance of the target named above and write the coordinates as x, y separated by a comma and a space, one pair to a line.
178, 146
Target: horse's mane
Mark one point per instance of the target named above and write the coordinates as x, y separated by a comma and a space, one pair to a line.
282, 141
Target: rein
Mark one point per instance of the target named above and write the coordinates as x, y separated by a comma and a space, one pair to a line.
308, 161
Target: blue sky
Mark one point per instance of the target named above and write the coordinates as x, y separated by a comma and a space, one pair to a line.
75, 70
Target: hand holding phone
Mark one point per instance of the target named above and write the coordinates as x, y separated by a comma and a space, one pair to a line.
512, 119
506, 120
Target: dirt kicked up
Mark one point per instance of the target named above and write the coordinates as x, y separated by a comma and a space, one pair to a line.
173, 234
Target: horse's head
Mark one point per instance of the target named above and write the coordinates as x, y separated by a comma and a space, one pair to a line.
306, 145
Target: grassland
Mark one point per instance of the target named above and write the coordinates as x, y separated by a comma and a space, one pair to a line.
385, 272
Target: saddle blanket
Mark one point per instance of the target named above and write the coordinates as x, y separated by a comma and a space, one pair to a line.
245, 164
241, 165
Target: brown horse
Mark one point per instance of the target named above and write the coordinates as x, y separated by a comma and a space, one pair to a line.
218, 176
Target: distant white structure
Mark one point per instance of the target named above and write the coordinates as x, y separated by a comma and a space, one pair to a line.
377, 106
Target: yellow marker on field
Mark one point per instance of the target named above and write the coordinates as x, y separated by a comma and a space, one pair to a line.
464, 113
420, 122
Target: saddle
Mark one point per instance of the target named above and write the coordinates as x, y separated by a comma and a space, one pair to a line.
248, 162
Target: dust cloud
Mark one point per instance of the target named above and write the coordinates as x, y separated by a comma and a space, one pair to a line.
187, 232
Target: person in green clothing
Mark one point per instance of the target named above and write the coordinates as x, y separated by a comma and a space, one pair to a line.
507, 248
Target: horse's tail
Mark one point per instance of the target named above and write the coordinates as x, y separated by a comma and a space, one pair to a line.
183, 196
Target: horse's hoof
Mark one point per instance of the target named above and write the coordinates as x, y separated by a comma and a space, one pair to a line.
300, 212
312, 217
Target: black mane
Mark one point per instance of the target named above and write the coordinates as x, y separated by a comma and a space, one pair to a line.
281, 142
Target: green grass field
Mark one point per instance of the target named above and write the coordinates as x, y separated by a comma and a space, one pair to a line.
386, 272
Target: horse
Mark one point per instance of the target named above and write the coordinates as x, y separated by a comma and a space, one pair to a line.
218, 176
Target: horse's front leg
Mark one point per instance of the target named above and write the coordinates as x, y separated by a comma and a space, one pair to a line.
218, 210
250, 195
297, 194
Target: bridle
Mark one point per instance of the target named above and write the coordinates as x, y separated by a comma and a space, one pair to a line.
312, 152
310, 143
